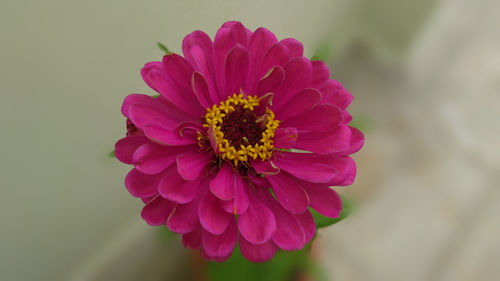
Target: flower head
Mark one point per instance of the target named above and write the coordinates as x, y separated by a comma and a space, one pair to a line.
245, 137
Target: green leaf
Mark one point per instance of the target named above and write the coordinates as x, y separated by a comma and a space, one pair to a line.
283, 267
164, 48
322, 221
362, 123
324, 52
112, 154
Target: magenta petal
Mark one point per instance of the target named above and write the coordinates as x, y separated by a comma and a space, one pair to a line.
201, 90
277, 55
190, 165
184, 218
334, 93
336, 140
179, 71
294, 46
271, 81
220, 245
290, 193
165, 136
321, 118
346, 170
301, 103
356, 143
257, 253
192, 239
236, 68
320, 74
240, 202
174, 188
224, 183
289, 233
285, 138
157, 211
136, 98
257, 224
298, 73
238, 32
308, 225
241, 199
125, 148
157, 65
212, 217
306, 166
142, 185
174, 94
143, 114
260, 41
324, 199
264, 167
152, 158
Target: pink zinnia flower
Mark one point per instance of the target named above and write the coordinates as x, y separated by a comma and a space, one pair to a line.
215, 155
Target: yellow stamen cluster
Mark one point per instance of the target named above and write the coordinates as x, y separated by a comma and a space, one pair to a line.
214, 118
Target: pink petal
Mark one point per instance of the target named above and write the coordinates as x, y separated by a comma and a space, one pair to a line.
271, 81
308, 225
336, 140
124, 148
301, 103
294, 46
238, 32
264, 167
174, 188
323, 117
260, 41
289, 193
222, 245
277, 55
320, 74
156, 65
166, 136
226, 38
357, 141
198, 50
285, 138
152, 158
257, 224
236, 68
241, 200
190, 165
334, 93
224, 183
157, 211
136, 98
175, 93
192, 239
298, 73
179, 71
184, 218
212, 217
143, 114
347, 170
201, 90
324, 199
142, 185
257, 253
289, 233
306, 166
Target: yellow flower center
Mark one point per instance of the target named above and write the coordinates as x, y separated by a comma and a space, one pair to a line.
236, 132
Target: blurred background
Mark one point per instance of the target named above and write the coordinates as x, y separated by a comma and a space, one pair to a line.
425, 76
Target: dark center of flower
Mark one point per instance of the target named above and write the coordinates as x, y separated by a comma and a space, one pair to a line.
236, 132
240, 127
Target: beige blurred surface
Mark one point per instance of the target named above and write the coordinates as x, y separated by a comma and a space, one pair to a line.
424, 73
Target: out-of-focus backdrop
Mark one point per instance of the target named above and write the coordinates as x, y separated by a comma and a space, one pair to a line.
425, 76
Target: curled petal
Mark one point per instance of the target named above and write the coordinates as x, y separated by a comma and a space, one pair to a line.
157, 211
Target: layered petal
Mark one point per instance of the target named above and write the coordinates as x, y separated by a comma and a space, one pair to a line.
257, 252
306, 166
289, 193
258, 223
157, 211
